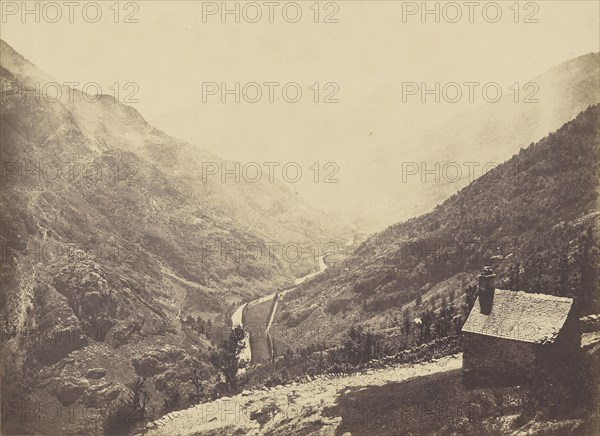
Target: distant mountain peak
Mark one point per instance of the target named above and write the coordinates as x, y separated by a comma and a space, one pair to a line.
14, 62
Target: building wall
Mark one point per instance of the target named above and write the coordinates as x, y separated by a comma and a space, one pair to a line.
569, 337
489, 356
566, 349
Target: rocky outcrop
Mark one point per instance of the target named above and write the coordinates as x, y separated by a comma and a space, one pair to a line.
158, 360
95, 373
68, 391
58, 331
103, 392
92, 298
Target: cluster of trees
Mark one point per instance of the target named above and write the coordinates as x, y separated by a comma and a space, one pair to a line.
126, 412
225, 360
199, 325
430, 323
360, 346
175, 401
571, 271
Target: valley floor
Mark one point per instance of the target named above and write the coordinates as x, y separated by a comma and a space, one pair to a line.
297, 408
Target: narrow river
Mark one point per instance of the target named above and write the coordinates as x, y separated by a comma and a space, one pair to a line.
236, 318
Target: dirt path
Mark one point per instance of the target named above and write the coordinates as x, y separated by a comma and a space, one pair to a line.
290, 408
185, 282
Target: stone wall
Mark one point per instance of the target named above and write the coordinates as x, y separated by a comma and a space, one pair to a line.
497, 359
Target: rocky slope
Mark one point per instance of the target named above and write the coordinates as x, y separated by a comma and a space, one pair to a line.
110, 238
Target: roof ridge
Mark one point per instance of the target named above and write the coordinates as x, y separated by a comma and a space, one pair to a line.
539, 295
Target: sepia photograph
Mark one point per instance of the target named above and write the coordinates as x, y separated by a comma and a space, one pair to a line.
294, 218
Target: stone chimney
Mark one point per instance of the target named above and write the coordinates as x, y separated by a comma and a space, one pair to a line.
486, 290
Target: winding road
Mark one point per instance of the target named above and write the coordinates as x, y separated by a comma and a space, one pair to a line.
258, 338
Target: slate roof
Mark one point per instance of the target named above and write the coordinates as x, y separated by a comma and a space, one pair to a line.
521, 316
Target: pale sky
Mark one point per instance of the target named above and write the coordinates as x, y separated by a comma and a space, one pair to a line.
170, 51
368, 53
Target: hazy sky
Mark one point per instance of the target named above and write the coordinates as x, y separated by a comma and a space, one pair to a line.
368, 53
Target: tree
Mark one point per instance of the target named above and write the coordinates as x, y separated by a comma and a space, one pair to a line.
586, 274
427, 319
139, 397
451, 318
124, 413
563, 274
514, 282
360, 346
539, 287
443, 319
418, 301
172, 402
406, 323
444, 303
471, 296
226, 359
196, 396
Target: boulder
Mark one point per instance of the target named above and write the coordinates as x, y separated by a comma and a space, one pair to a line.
147, 366
68, 391
103, 393
95, 373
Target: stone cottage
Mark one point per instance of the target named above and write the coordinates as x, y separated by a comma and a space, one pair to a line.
511, 333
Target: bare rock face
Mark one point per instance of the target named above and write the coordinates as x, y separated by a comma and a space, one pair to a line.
95, 373
158, 360
68, 391
90, 296
147, 366
58, 331
107, 392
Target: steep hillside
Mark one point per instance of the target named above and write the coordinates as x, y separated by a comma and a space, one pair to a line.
266, 209
110, 238
534, 218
